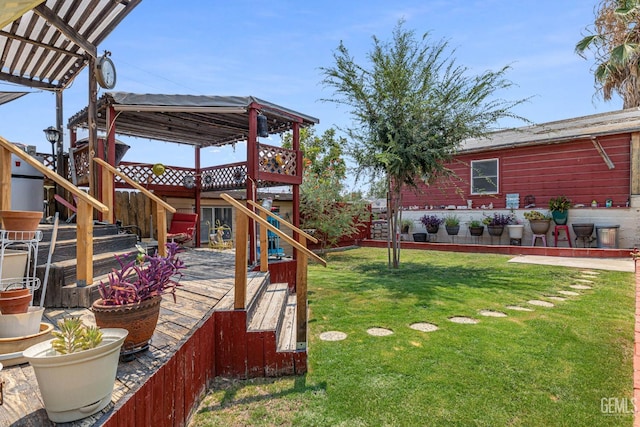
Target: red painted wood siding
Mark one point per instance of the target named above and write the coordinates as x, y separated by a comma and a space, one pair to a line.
574, 169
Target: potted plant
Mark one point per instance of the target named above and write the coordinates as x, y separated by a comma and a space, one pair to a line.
452, 224
538, 221
76, 370
515, 228
431, 223
131, 298
559, 208
495, 224
476, 228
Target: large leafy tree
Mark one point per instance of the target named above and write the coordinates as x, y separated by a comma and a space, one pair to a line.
411, 107
321, 152
614, 40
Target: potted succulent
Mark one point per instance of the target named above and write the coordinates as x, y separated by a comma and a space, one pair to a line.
476, 227
431, 223
131, 298
538, 221
496, 223
76, 370
452, 224
559, 208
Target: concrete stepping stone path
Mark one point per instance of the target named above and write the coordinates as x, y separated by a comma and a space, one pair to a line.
333, 336
492, 313
540, 303
555, 298
464, 320
379, 332
580, 287
519, 308
569, 293
424, 327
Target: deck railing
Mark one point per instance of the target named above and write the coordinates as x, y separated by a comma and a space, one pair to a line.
85, 204
108, 181
243, 214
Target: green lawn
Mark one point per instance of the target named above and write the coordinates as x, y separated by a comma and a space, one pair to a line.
550, 366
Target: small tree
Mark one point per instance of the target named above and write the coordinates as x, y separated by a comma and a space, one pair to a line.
412, 107
324, 210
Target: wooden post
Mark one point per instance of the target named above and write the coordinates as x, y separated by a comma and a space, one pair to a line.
264, 246
242, 235
5, 179
107, 194
301, 296
84, 248
161, 233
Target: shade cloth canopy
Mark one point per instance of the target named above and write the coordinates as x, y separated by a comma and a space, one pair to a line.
189, 119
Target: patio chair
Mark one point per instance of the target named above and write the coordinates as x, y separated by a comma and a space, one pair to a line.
182, 228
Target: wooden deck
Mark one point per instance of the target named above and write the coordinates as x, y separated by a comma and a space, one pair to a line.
207, 286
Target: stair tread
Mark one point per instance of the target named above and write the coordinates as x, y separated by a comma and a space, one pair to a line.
255, 282
96, 257
287, 340
268, 312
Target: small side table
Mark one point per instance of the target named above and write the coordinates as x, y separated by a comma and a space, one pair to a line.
556, 233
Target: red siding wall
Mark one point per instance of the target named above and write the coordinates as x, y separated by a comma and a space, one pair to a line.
574, 169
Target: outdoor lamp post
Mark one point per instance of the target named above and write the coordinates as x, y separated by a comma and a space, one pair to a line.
53, 136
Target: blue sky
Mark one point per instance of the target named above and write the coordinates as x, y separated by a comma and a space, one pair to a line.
273, 50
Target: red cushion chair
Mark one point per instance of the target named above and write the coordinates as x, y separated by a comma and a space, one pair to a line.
182, 228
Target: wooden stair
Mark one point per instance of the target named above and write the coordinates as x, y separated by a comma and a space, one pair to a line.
62, 288
263, 338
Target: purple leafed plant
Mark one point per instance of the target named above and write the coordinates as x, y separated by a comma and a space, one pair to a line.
143, 277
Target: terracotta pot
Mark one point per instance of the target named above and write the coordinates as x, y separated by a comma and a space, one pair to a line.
139, 319
25, 221
12, 293
15, 305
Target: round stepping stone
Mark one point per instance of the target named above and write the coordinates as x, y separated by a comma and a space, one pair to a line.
379, 332
581, 287
518, 308
583, 280
423, 327
569, 293
540, 303
590, 272
464, 320
333, 336
492, 313
555, 298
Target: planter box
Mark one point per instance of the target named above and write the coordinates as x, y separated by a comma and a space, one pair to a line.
14, 263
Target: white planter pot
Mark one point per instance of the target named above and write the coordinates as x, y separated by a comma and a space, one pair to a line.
23, 324
515, 231
74, 386
14, 263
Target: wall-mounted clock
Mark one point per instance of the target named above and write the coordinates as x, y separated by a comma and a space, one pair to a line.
106, 72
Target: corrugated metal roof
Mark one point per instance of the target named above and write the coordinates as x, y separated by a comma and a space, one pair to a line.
622, 121
49, 45
189, 119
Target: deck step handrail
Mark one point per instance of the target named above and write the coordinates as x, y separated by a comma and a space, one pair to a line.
240, 286
283, 221
162, 207
85, 205
277, 231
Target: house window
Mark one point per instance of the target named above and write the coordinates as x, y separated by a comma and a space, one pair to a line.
484, 176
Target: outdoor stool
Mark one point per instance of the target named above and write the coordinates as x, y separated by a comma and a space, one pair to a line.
539, 236
556, 232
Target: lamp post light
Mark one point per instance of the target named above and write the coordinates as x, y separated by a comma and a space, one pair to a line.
53, 136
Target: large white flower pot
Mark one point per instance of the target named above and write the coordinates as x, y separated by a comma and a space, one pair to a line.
22, 324
516, 231
74, 386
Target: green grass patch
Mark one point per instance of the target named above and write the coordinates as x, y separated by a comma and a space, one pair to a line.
551, 366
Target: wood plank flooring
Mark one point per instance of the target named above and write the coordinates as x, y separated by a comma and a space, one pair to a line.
206, 285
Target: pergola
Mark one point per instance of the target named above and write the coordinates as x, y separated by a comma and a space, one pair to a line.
202, 121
